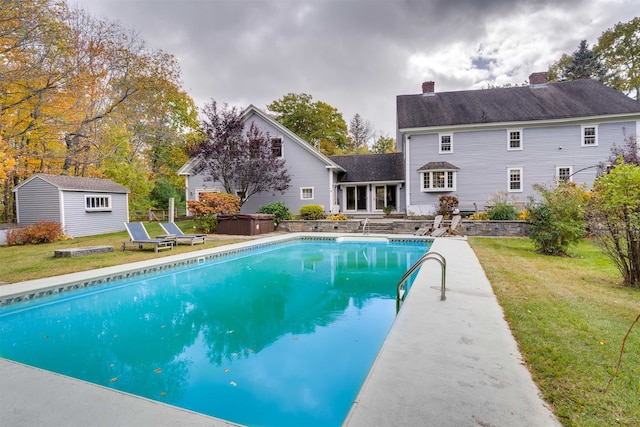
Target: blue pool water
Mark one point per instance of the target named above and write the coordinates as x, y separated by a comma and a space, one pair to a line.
283, 335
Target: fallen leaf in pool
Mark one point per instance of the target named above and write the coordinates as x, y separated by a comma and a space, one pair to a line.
158, 370
113, 380
233, 383
227, 370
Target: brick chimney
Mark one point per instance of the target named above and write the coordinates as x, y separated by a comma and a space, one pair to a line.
538, 79
428, 88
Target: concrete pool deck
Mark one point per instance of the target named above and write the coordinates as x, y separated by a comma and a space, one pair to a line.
443, 363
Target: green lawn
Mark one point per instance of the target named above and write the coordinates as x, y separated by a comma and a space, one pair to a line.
569, 316
19, 263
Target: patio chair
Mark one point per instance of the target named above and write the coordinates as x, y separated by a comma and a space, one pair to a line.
455, 223
140, 237
437, 224
174, 232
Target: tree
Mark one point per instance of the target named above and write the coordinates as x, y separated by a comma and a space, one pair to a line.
613, 215
629, 152
384, 144
318, 123
359, 134
584, 63
619, 48
240, 159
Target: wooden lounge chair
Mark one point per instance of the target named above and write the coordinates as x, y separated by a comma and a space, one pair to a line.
437, 222
174, 232
452, 229
140, 237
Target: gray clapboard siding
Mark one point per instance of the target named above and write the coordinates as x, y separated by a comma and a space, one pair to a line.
307, 168
40, 201
483, 159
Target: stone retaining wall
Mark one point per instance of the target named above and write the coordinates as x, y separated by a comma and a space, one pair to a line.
469, 228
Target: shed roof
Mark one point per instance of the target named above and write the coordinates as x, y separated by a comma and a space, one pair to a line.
371, 167
73, 183
563, 100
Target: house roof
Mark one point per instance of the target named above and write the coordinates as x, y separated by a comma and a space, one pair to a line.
252, 110
563, 100
72, 183
438, 166
371, 167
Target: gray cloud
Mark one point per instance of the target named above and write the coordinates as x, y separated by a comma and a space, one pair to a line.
357, 55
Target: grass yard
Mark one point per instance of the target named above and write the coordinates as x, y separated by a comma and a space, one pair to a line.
569, 316
19, 263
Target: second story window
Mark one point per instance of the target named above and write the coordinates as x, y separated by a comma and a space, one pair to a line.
514, 139
446, 143
589, 136
276, 147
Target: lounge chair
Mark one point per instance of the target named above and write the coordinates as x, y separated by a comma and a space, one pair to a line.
437, 224
140, 237
174, 232
452, 228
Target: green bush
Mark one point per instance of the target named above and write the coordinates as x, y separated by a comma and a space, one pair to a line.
40, 232
557, 220
312, 212
279, 211
502, 212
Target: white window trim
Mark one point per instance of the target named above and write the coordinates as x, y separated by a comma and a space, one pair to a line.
440, 136
563, 167
431, 188
313, 193
106, 197
509, 148
582, 129
521, 189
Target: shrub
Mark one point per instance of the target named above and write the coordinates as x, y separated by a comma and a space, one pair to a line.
613, 215
211, 204
502, 212
40, 232
447, 204
278, 210
479, 216
524, 215
338, 217
312, 212
557, 220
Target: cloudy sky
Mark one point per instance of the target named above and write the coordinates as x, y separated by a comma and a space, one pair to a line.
358, 55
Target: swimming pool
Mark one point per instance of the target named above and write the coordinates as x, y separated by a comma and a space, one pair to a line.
278, 335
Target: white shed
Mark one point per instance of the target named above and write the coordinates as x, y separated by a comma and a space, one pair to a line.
83, 206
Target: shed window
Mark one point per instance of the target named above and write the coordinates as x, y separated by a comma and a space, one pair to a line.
97, 203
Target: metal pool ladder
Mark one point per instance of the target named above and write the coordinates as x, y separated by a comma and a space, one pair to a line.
366, 228
400, 289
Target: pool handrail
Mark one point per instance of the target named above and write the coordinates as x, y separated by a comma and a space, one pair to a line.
436, 256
